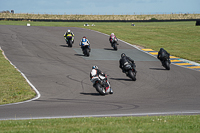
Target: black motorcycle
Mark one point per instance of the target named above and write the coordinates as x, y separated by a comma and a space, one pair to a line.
130, 71
165, 60
114, 43
166, 63
86, 50
69, 40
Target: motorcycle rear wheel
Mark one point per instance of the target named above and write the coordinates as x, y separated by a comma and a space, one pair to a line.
70, 43
115, 46
87, 53
132, 75
100, 89
167, 66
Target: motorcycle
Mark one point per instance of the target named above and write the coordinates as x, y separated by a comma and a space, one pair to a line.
165, 61
114, 43
130, 71
102, 85
85, 48
69, 40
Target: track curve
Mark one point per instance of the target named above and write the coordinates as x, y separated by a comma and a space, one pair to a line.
61, 75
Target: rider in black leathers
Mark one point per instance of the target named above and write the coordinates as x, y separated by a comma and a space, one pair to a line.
125, 60
162, 54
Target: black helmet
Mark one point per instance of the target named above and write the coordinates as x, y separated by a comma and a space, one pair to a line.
122, 55
94, 67
161, 49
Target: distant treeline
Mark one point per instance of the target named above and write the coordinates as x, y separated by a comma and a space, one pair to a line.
99, 18
5, 11
61, 20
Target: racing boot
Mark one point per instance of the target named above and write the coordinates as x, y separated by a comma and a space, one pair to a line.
111, 91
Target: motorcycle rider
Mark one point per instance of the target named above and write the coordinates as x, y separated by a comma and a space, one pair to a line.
96, 72
112, 36
84, 41
68, 33
125, 60
162, 54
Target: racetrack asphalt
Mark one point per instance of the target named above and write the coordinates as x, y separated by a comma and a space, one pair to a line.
61, 75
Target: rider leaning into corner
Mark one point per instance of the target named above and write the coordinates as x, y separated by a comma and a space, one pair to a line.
162, 54
125, 60
84, 41
111, 37
67, 33
96, 72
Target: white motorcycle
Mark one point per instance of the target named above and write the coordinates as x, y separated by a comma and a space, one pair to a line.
102, 85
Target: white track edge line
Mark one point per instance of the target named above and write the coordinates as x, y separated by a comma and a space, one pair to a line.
33, 87
111, 115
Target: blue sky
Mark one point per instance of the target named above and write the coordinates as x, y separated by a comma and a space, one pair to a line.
101, 7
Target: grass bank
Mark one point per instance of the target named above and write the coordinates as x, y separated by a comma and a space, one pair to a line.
147, 124
13, 86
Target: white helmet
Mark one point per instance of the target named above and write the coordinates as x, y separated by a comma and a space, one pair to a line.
112, 34
68, 30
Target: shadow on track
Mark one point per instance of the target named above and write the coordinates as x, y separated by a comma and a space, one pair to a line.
121, 79
64, 45
79, 54
92, 94
109, 49
157, 68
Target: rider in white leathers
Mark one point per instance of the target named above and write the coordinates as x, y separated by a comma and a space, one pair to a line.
95, 73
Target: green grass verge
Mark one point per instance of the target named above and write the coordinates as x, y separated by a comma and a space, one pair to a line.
145, 124
13, 86
179, 38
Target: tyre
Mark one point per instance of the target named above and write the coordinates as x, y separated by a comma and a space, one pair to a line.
87, 52
115, 46
100, 89
167, 66
70, 43
132, 75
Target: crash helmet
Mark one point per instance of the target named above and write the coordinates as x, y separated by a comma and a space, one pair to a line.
84, 39
112, 34
68, 30
94, 67
122, 55
161, 49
